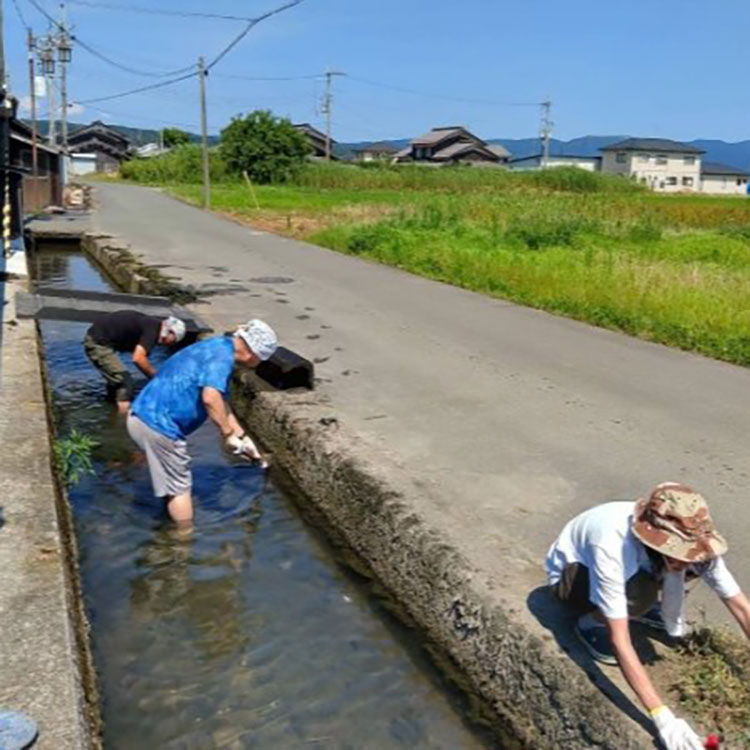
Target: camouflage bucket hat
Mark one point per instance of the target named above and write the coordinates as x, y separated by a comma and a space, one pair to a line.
674, 520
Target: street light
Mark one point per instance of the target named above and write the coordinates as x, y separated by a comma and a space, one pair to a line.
64, 48
47, 56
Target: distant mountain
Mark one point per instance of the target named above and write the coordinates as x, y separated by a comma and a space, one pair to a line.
734, 154
137, 136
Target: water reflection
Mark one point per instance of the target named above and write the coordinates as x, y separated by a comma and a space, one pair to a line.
246, 634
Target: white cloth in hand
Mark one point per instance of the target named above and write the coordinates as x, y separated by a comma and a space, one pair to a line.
675, 733
243, 446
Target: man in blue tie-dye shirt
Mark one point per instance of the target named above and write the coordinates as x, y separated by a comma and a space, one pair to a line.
190, 387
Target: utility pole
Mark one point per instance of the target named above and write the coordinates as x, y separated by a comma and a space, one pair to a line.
30, 42
202, 73
545, 131
327, 99
64, 45
5, 115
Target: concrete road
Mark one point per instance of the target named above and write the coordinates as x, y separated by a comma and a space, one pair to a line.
513, 420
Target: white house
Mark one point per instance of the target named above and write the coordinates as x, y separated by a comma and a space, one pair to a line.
589, 163
721, 179
664, 165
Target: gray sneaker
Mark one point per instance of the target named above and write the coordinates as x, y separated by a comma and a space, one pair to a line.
652, 618
597, 643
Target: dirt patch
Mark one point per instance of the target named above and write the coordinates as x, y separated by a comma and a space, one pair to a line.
301, 225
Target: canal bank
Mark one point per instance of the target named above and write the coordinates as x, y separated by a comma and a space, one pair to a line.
45, 670
449, 542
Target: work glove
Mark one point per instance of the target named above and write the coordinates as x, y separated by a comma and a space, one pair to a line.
242, 445
675, 733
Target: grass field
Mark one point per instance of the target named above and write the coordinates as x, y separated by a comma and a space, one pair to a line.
673, 269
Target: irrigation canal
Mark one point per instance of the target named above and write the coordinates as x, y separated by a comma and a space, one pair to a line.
248, 635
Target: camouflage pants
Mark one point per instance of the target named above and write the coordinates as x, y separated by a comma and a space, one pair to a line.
642, 590
105, 359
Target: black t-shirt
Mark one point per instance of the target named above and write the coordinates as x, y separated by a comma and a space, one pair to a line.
125, 329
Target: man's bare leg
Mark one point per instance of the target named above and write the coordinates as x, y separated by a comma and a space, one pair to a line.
180, 509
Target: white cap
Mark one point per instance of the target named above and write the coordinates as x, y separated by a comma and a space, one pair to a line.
260, 337
175, 326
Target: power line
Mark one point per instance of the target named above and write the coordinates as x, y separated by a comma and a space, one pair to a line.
463, 100
101, 55
246, 31
192, 74
19, 12
268, 78
136, 91
157, 11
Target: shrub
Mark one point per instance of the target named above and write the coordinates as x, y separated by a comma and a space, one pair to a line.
268, 148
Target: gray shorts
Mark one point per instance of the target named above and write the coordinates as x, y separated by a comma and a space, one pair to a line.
168, 460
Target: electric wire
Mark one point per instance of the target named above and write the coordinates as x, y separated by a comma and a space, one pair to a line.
157, 11
253, 22
463, 100
19, 12
60, 26
122, 94
218, 58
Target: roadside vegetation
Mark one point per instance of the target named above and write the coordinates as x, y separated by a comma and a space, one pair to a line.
672, 269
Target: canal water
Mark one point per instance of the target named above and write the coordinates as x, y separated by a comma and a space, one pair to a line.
248, 635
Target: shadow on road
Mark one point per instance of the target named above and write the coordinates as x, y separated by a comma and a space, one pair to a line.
551, 614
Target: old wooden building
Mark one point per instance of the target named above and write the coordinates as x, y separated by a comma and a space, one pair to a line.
110, 146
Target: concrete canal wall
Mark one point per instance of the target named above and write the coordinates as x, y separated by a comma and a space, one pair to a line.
45, 667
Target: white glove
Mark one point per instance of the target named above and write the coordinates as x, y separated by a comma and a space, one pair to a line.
675, 733
243, 445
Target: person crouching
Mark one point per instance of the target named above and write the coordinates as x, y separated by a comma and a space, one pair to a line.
132, 332
629, 560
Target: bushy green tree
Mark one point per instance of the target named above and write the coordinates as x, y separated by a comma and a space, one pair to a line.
268, 148
174, 137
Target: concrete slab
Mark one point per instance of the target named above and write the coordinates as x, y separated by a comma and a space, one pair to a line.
41, 671
480, 426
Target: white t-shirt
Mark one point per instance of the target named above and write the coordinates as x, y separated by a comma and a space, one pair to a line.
601, 539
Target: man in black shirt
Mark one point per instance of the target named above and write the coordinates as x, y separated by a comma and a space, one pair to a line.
128, 331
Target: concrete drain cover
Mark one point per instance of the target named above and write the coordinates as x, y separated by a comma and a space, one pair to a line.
272, 280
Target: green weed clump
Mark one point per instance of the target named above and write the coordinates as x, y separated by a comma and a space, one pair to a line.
715, 684
73, 457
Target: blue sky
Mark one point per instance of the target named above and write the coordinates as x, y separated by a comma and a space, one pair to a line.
669, 68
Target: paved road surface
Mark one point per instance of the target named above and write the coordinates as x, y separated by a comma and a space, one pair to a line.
514, 420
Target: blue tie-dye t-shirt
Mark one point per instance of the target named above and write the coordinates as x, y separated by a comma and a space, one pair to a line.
172, 403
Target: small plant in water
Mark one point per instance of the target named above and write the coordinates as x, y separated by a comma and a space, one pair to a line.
73, 457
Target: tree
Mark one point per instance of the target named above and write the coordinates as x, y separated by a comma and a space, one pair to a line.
174, 137
268, 148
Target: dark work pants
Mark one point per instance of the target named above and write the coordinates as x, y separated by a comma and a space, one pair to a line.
642, 591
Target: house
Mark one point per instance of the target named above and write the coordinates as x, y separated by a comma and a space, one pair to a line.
663, 165
44, 189
375, 152
452, 144
535, 161
317, 141
721, 179
110, 147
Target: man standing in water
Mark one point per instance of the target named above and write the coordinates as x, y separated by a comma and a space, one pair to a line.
133, 332
190, 387
611, 563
